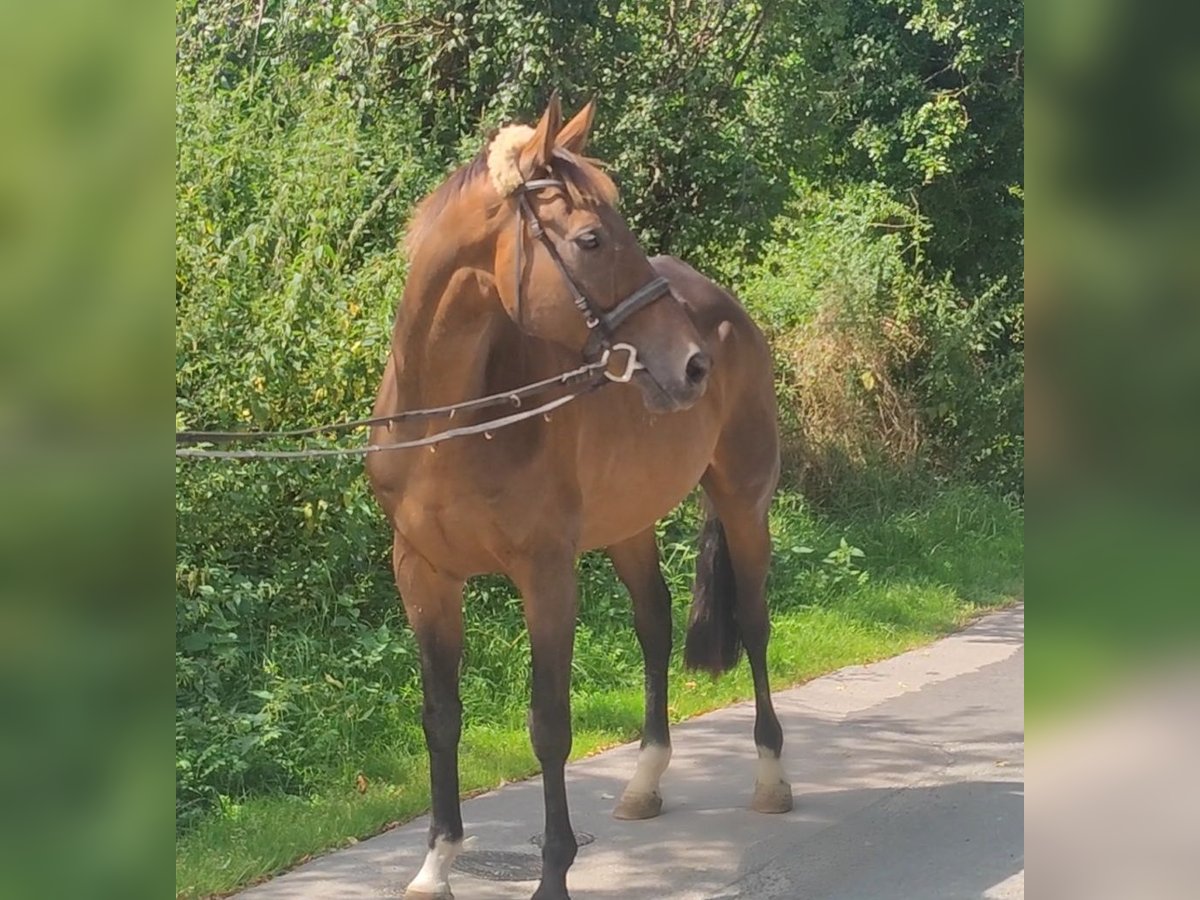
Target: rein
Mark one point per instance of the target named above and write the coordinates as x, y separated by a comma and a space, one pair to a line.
594, 375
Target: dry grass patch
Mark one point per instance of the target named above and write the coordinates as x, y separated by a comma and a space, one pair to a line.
845, 408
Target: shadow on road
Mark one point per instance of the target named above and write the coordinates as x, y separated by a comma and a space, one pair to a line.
939, 842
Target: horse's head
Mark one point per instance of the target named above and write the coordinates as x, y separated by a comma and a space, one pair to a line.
569, 270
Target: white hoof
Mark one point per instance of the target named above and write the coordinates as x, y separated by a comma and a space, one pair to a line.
772, 798
433, 881
634, 806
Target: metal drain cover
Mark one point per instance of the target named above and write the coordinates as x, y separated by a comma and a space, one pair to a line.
509, 865
582, 839
500, 865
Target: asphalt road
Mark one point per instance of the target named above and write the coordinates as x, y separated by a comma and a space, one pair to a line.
908, 777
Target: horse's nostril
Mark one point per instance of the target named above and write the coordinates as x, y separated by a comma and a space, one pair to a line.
698, 366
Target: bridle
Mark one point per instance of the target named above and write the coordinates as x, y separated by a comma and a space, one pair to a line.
601, 324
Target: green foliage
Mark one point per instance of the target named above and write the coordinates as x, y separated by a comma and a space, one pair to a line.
879, 358
969, 378
857, 163
848, 248
927, 97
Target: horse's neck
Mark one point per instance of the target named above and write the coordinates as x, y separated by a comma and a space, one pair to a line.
444, 338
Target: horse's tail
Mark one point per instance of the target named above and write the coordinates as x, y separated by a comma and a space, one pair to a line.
713, 641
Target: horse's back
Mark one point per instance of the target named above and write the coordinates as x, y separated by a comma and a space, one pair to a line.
710, 306
743, 375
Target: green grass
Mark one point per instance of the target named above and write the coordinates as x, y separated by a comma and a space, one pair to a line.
928, 564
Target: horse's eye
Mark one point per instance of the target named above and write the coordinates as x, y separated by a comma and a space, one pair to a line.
589, 240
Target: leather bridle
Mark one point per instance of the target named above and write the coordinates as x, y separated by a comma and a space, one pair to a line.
601, 324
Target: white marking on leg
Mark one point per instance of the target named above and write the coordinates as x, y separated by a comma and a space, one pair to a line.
770, 769
434, 877
652, 762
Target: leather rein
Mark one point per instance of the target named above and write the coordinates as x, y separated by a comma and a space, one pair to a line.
594, 373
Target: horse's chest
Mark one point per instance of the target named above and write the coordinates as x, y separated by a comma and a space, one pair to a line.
637, 478
466, 509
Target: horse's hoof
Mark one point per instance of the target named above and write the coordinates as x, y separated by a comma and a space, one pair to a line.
638, 806
772, 798
411, 894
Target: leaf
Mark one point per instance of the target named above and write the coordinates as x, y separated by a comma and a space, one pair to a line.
196, 641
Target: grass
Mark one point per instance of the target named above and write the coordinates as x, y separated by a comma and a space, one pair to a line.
927, 565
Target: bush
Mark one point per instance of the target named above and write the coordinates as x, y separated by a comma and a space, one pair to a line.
290, 648
879, 362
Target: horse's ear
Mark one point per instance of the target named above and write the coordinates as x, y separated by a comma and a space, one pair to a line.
574, 135
540, 149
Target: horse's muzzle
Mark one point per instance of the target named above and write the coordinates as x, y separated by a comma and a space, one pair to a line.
667, 395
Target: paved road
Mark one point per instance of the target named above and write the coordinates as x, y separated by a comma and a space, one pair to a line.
909, 784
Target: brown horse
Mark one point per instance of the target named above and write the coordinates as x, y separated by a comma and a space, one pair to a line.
520, 266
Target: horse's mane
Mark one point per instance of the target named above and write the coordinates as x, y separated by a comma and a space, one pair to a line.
497, 160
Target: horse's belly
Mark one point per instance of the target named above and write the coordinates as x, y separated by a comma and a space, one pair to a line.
621, 473
646, 475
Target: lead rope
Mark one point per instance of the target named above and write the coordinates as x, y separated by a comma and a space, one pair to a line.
514, 397
601, 375
484, 428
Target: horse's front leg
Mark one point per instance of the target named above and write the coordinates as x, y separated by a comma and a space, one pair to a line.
433, 603
547, 584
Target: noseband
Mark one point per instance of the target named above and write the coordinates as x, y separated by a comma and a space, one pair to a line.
601, 324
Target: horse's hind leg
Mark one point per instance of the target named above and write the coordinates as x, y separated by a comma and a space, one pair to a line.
741, 506
636, 562
434, 607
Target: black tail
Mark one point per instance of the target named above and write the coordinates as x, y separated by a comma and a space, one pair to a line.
713, 641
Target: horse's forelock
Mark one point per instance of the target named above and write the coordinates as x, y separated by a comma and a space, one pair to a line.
584, 179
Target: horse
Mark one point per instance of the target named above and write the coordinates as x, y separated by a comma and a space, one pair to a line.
520, 265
